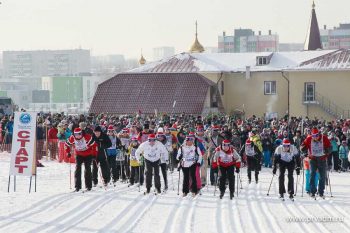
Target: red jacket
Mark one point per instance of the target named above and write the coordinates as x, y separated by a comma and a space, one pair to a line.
52, 134
326, 147
83, 147
228, 158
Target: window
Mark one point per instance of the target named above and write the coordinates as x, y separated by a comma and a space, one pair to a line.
270, 88
261, 61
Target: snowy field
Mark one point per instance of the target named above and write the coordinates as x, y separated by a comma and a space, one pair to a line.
121, 209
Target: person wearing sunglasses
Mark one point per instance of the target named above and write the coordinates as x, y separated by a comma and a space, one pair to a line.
318, 148
287, 156
83, 146
228, 159
164, 159
152, 151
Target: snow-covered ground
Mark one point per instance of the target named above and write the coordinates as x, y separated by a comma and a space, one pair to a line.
121, 209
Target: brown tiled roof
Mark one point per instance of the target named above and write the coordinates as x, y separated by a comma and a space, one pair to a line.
339, 59
130, 92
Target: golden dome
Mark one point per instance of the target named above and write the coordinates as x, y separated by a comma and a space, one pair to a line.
196, 47
142, 60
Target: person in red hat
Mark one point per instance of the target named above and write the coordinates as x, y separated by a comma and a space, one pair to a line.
164, 159
287, 156
215, 139
152, 151
189, 156
112, 153
203, 139
83, 146
254, 156
123, 158
228, 159
318, 147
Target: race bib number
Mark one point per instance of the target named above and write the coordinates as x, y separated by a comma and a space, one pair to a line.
80, 145
317, 149
133, 154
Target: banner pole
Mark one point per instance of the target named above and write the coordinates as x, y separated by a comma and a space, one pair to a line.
8, 185
30, 184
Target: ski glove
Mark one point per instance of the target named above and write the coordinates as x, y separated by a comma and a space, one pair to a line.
69, 155
237, 169
298, 170
274, 170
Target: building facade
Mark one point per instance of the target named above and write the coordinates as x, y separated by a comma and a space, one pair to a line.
31, 64
245, 40
336, 38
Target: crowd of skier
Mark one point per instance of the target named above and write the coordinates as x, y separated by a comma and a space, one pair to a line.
203, 150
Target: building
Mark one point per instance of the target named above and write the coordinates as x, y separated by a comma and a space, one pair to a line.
245, 40
336, 38
36, 64
290, 47
163, 52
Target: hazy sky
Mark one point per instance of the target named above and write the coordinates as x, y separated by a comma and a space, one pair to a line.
126, 26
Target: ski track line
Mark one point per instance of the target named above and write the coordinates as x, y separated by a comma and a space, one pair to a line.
252, 216
83, 210
36, 208
136, 213
169, 225
235, 215
191, 215
302, 227
275, 227
184, 214
332, 213
318, 225
78, 218
124, 211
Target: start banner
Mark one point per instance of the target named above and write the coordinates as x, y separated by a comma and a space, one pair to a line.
23, 144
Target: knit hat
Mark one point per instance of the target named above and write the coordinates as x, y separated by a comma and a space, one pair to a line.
226, 142
248, 142
314, 132
152, 137
110, 128
77, 131
98, 129
286, 142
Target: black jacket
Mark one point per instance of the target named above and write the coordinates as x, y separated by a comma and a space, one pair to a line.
103, 142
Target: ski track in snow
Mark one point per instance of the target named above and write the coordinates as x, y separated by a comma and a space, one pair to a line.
124, 209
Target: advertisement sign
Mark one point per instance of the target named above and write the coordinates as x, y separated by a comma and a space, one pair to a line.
23, 144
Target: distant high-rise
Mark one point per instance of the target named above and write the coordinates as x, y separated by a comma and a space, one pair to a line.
336, 38
163, 52
245, 40
39, 63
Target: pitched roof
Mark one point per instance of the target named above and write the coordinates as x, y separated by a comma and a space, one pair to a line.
313, 40
130, 92
228, 62
337, 60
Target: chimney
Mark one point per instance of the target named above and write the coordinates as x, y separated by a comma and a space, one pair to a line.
325, 27
270, 32
259, 33
224, 34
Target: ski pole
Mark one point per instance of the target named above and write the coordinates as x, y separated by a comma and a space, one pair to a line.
178, 182
268, 192
140, 178
216, 182
70, 175
240, 180
172, 179
296, 186
100, 173
237, 183
302, 187
330, 186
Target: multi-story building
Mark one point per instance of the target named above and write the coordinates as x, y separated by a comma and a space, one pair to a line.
245, 40
36, 64
163, 52
336, 38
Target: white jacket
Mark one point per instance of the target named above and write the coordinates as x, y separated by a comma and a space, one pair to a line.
189, 156
152, 153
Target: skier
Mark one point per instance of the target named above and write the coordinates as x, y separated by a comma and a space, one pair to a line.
152, 151
164, 159
112, 152
228, 159
83, 145
287, 156
253, 159
102, 143
125, 141
203, 140
189, 156
318, 148
136, 174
